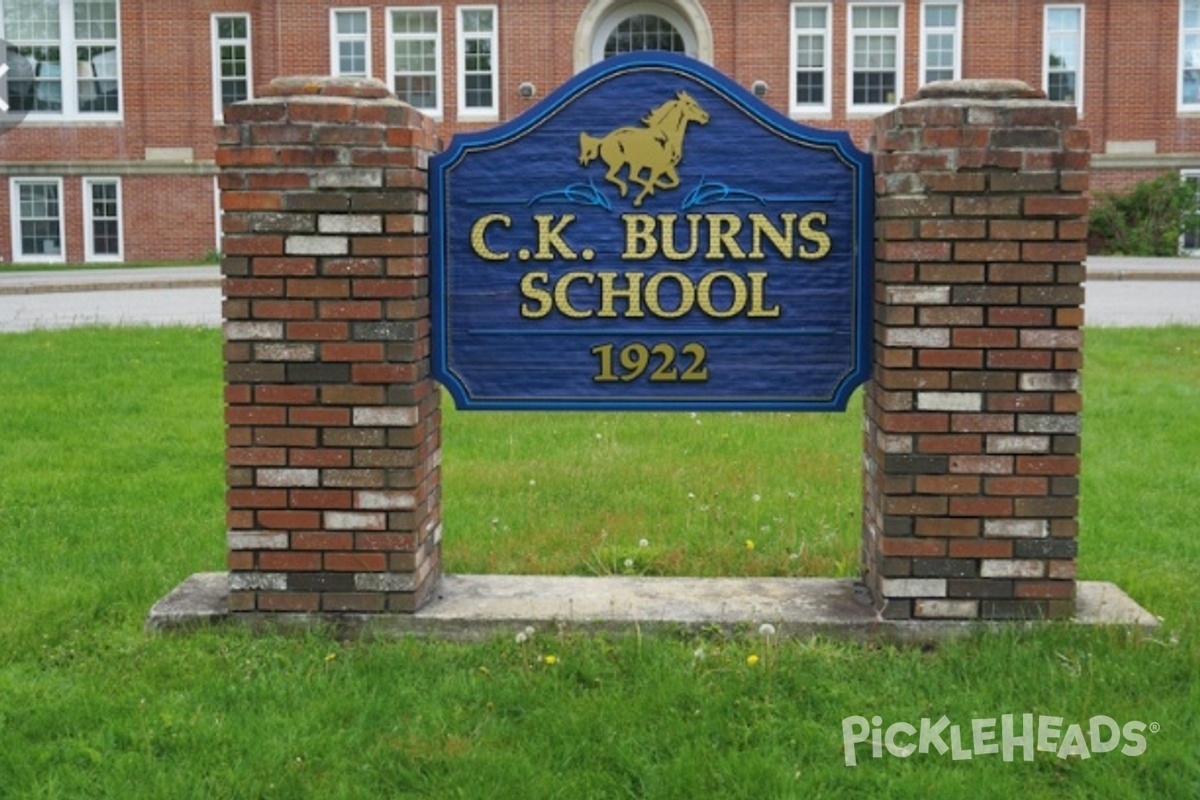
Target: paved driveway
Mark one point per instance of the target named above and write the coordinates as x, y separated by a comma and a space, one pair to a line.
1120, 292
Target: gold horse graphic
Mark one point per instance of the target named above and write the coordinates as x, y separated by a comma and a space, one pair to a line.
656, 148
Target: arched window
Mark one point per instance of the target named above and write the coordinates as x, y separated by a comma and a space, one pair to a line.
610, 27
644, 32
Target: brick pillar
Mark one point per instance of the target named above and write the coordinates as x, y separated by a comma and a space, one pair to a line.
333, 422
972, 415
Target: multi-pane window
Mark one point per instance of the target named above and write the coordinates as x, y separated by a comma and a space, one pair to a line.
1189, 55
69, 56
810, 57
37, 223
877, 58
351, 40
102, 219
415, 57
644, 32
941, 36
232, 68
477, 53
1063, 59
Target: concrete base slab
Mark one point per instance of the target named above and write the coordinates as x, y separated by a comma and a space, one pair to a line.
473, 607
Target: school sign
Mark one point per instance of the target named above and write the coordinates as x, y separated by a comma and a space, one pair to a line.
651, 236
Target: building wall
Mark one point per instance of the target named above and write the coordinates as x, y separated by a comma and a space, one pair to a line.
164, 144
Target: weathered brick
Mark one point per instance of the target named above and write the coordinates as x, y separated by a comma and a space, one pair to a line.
1011, 568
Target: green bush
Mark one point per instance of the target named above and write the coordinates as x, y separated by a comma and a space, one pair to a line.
1147, 220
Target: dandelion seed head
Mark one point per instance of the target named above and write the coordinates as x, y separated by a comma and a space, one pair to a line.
643, 542
521, 637
756, 497
766, 629
629, 563
530, 630
698, 654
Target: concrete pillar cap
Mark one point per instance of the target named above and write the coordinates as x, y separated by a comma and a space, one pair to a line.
326, 86
987, 89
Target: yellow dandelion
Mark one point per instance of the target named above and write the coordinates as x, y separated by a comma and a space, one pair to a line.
551, 659
749, 544
752, 659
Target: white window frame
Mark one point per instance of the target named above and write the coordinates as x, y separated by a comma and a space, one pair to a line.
466, 112
218, 108
336, 39
14, 196
825, 107
89, 241
68, 44
1184, 105
956, 32
1046, 48
392, 37
860, 109
218, 216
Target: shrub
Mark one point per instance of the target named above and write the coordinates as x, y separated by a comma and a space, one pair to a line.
1147, 220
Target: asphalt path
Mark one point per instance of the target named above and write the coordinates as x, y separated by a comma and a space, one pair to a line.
1119, 293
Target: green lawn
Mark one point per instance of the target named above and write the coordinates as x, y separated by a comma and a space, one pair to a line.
111, 493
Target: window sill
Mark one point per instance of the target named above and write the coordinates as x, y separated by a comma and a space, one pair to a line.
869, 112
478, 116
45, 121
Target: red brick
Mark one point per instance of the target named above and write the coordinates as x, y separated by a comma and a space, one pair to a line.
256, 456
1055, 206
915, 422
289, 602
352, 351
986, 251
981, 548
947, 527
947, 484
322, 541
256, 498
983, 337
284, 561
356, 562
981, 507
318, 331
1045, 589
1047, 465
385, 542
927, 548
1028, 486
290, 520
951, 443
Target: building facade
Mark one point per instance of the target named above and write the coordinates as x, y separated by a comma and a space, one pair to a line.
118, 101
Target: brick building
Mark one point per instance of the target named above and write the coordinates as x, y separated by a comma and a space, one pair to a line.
114, 158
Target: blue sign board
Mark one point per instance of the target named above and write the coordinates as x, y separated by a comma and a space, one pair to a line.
651, 236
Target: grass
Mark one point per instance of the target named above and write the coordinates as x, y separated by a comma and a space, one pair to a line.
110, 493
